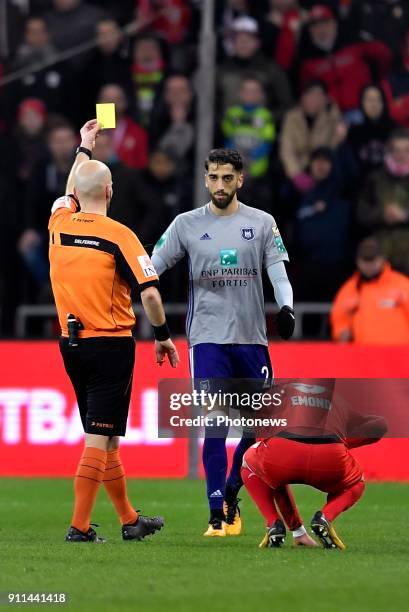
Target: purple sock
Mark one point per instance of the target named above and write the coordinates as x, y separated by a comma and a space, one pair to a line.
234, 481
215, 465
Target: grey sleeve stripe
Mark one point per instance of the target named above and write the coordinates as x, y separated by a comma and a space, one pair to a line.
158, 263
283, 291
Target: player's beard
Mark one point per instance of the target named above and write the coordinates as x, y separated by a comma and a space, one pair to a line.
223, 203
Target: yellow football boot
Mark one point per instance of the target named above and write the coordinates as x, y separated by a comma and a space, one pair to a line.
324, 530
274, 536
233, 520
217, 529
264, 541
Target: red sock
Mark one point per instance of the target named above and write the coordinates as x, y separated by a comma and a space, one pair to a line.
342, 501
115, 485
90, 472
262, 495
288, 507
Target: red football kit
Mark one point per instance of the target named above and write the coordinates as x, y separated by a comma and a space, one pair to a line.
312, 449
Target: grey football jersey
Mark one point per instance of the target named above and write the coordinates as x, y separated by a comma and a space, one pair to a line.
226, 255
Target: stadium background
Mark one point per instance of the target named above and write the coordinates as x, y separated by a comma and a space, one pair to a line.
176, 71
186, 76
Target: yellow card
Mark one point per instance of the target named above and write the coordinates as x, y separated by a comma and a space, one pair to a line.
106, 115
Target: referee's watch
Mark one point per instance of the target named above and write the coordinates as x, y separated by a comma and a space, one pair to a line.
84, 150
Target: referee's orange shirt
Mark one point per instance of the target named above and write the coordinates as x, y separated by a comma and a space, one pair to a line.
95, 262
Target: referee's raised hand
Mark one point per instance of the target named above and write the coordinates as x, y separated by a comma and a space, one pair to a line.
166, 347
89, 133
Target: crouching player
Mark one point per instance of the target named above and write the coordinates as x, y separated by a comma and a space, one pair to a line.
312, 450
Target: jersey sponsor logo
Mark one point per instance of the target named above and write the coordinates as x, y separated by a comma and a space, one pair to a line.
81, 242
309, 388
229, 276
205, 237
242, 272
229, 257
247, 233
88, 242
147, 266
311, 402
308, 399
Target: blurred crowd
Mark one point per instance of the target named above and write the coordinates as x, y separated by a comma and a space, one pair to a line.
315, 95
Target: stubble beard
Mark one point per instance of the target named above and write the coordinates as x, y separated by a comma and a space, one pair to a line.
222, 204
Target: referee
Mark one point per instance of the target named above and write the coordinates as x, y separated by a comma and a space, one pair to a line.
95, 262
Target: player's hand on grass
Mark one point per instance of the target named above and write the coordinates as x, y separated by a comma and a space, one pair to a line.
89, 133
166, 347
285, 322
305, 540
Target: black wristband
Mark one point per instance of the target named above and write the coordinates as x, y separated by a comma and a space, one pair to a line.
161, 332
84, 150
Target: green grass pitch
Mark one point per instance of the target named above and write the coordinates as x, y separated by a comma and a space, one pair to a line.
178, 570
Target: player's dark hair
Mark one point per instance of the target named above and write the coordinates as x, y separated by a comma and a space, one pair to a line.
225, 156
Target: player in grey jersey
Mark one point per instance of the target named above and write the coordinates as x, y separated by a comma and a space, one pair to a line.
227, 244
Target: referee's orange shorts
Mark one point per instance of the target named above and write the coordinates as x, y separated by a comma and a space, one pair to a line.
329, 467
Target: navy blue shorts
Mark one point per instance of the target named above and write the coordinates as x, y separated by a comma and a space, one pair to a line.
212, 363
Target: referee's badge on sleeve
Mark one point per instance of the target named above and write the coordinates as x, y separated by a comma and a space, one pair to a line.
146, 266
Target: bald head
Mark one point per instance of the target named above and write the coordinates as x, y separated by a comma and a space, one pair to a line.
93, 184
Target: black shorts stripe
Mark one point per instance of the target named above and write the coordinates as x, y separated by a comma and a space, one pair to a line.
87, 477
95, 459
92, 467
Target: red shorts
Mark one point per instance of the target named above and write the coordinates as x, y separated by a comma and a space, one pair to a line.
328, 467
